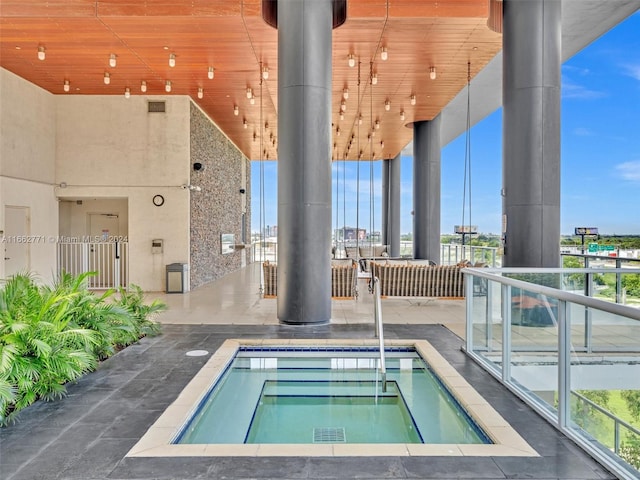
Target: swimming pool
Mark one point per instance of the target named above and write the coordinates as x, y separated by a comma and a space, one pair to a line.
328, 395
173, 424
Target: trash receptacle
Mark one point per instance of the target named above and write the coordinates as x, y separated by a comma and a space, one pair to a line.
177, 279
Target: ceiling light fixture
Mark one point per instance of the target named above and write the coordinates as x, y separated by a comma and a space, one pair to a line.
249, 92
172, 60
352, 60
402, 115
167, 86
210, 73
265, 73
143, 86
127, 92
341, 116
377, 124
413, 99
345, 93
338, 131
387, 105
343, 106
41, 53
236, 110
381, 144
383, 54
432, 73
107, 78
374, 79
360, 119
66, 87
245, 124
112, 60
200, 92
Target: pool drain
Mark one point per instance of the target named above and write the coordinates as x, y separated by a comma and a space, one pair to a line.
329, 435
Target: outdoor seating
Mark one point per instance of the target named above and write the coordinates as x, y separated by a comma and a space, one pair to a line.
418, 278
344, 277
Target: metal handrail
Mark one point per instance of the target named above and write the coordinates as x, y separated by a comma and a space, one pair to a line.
377, 314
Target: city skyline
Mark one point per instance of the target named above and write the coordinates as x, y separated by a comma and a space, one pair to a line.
600, 148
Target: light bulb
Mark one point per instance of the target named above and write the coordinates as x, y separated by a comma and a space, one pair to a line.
200, 92
413, 99
265, 72
383, 54
402, 115
360, 119
345, 93
352, 60
432, 73
377, 124
249, 92
381, 144
343, 106
41, 53
210, 73
341, 116
236, 110
66, 86
172, 60
143, 86
112, 60
387, 105
374, 79
245, 124
127, 92
252, 100
107, 78
167, 86
338, 131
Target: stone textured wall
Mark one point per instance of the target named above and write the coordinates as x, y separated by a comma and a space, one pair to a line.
218, 207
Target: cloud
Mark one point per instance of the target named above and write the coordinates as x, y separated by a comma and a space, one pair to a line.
632, 70
629, 171
580, 92
583, 132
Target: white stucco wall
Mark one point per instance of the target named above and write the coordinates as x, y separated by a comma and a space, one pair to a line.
110, 147
27, 165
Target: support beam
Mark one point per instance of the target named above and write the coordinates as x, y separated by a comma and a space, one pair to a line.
426, 189
304, 161
391, 205
531, 132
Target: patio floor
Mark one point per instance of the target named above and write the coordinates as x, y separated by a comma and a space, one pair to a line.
87, 434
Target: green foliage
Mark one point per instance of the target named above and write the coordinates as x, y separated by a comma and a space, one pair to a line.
630, 450
51, 335
577, 280
632, 399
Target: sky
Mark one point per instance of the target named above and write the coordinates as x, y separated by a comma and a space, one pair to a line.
600, 151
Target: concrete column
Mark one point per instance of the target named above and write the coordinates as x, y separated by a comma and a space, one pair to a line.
531, 132
426, 189
304, 161
391, 205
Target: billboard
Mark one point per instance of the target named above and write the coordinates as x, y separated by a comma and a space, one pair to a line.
586, 231
472, 229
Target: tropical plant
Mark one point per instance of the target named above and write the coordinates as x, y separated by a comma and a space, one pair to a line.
51, 335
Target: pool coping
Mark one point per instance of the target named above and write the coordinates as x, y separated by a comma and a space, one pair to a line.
156, 442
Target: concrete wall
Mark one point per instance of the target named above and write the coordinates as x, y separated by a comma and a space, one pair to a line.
111, 147
27, 162
218, 207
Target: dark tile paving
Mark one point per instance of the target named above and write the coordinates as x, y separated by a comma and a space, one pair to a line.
87, 434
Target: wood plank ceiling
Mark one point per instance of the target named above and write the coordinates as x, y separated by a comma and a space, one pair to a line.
230, 35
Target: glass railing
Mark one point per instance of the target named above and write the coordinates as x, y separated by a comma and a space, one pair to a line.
573, 358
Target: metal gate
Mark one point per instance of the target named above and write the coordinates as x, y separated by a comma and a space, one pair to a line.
110, 261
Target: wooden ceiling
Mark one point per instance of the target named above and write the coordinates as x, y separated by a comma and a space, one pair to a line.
230, 35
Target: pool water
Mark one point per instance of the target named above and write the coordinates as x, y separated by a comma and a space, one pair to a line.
328, 395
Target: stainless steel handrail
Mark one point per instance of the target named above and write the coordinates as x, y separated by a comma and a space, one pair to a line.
377, 314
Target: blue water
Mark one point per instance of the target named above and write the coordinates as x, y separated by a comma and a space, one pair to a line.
271, 396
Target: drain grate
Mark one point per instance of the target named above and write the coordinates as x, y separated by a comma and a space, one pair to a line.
329, 435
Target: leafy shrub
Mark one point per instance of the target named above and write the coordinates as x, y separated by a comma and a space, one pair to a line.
51, 335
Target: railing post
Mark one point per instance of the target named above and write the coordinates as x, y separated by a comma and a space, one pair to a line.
618, 281
616, 436
564, 366
506, 333
469, 310
489, 330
